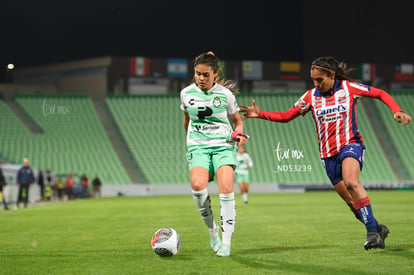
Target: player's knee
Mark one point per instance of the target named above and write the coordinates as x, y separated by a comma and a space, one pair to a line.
352, 185
198, 185
226, 189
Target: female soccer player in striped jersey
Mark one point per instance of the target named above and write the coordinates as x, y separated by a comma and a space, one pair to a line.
244, 164
210, 112
333, 106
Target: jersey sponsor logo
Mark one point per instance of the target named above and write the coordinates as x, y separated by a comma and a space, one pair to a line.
193, 101
330, 110
331, 119
203, 112
207, 127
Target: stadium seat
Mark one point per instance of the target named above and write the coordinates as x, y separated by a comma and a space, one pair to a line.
151, 126
73, 141
402, 137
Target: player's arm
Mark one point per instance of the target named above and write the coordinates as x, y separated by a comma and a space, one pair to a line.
250, 162
282, 117
186, 122
385, 97
237, 122
237, 134
254, 112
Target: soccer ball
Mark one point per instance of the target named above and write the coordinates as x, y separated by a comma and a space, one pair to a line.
166, 242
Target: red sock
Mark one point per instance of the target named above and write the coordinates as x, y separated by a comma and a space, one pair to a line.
363, 206
361, 203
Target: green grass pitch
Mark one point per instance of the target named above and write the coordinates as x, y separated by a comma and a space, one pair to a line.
278, 233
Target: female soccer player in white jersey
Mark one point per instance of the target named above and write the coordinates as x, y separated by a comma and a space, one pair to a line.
208, 104
333, 106
244, 164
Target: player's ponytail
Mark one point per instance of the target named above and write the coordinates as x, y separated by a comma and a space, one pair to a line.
331, 65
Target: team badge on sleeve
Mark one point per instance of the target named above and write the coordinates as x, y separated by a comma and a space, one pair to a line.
360, 86
301, 103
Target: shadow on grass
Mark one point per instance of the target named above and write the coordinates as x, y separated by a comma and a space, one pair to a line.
401, 247
281, 249
402, 250
244, 257
283, 266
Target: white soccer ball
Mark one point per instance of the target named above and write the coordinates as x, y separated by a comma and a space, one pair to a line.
166, 242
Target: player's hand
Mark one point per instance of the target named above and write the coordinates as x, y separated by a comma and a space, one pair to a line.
243, 140
249, 112
402, 118
239, 137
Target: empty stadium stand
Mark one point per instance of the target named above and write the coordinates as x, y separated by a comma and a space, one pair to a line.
73, 139
401, 137
152, 127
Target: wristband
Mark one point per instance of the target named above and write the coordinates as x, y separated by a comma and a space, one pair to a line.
237, 133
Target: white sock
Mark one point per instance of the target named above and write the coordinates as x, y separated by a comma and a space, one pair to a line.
228, 217
202, 201
244, 197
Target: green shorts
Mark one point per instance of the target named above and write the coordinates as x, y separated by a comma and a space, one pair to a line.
211, 158
242, 178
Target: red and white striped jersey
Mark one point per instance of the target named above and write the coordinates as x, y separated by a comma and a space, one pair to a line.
335, 113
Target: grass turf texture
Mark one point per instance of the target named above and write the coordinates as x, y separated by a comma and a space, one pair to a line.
310, 233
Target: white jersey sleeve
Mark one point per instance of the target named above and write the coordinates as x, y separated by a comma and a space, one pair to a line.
232, 105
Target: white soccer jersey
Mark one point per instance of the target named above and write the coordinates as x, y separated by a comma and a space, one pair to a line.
209, 125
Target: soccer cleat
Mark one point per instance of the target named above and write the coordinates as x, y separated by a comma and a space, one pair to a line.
215, 242
374, 240
384, 232
223, 252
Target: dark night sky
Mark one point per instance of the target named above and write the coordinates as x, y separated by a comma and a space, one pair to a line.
51, 31
43, 32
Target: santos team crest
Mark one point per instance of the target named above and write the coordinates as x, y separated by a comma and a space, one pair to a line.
217, 101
